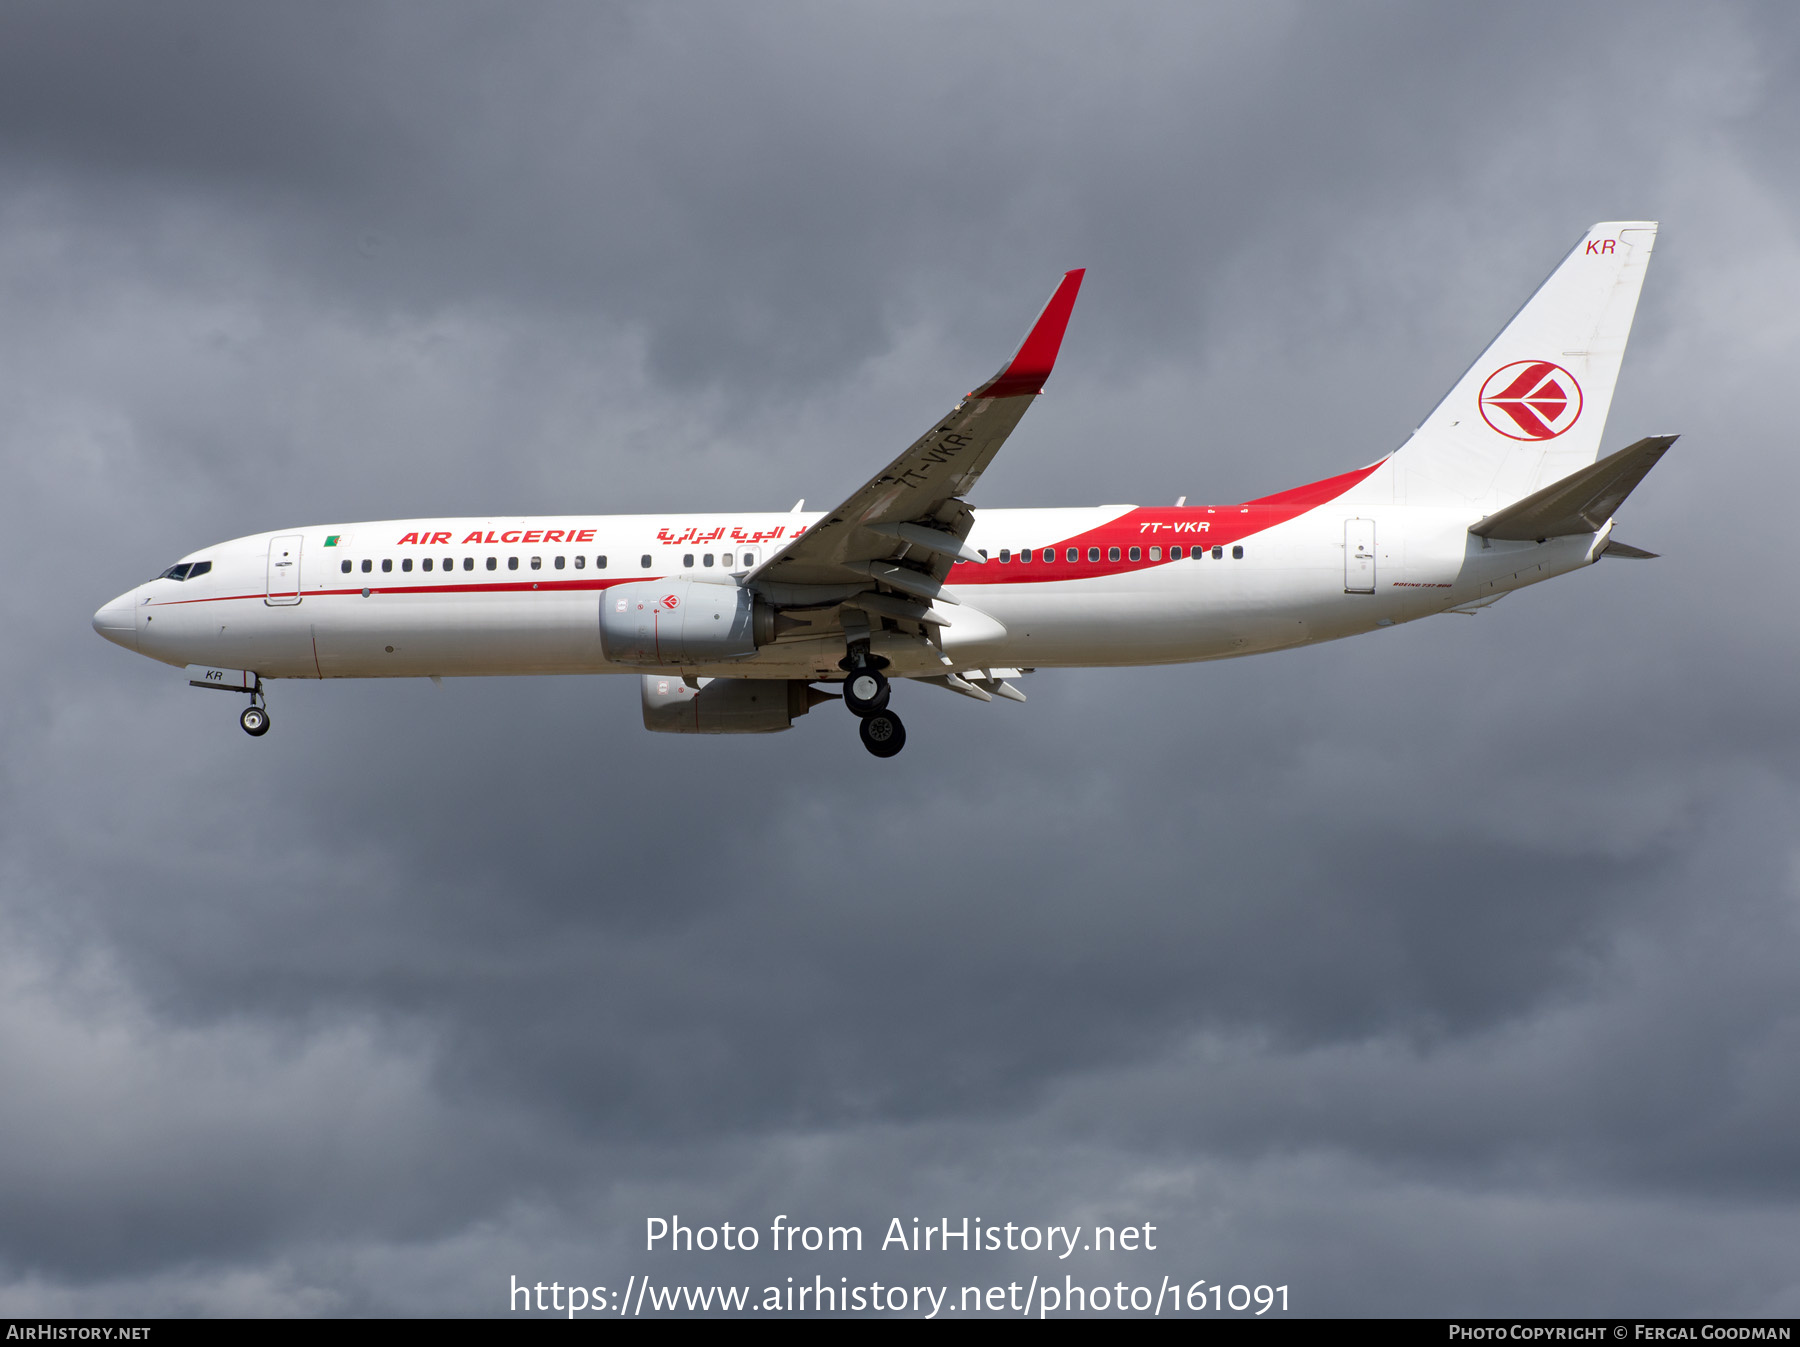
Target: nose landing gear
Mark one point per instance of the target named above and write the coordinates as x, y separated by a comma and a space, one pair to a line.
255, 718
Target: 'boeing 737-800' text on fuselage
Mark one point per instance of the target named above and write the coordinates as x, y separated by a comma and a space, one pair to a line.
733, 621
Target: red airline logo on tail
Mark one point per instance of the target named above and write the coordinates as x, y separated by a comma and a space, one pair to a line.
1531, 400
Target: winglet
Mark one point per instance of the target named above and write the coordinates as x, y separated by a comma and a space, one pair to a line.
1037, 356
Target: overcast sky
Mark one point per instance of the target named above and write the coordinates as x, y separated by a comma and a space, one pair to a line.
1448, 970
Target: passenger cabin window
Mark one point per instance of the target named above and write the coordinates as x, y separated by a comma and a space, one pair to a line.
725, 560
687, 561
580, 563
1218, 554
559, 563
346, 568
599, 563
387, 565
1112, 554
493, 563
644, 561
1005, 556
537, 563
707, 560
512, 563
1025, 555
1137, 554
468, 563
1156, 554
1049, 555
425, 565
367, 565
1237, 554
406, 565
1093, 554
1074, 554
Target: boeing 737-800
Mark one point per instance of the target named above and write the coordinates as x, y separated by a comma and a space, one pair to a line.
733, 620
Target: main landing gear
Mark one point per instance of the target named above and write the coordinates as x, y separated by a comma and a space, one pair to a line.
866, 692
882, 734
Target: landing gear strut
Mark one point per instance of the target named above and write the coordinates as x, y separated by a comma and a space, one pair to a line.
255, 718
866, 693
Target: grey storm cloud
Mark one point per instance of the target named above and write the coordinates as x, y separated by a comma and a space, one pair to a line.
1443, 971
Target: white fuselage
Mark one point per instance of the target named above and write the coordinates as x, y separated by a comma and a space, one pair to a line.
465, 597
730, 618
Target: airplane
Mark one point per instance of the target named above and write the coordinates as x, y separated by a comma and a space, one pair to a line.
738, 623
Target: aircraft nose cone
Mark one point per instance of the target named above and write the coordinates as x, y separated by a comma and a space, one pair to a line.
117, 621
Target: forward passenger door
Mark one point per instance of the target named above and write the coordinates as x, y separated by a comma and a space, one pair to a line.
284, 570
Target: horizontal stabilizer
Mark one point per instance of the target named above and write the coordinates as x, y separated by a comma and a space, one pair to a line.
1614, 548
1582, 502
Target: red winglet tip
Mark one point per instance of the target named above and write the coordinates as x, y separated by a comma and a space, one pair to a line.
1037, 355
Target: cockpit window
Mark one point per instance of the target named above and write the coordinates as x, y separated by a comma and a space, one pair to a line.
187, 570
198, 569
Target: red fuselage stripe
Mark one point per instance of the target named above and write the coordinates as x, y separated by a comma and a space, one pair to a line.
525, 586
1171, 526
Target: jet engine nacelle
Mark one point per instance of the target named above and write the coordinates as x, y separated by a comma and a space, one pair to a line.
726, 705
681, 622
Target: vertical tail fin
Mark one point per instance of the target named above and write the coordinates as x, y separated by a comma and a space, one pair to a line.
1532, 408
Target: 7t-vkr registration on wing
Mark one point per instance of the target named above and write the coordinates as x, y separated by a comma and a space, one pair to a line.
737, 622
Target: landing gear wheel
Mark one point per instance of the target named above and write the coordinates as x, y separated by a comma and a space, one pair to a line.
865, 691
882, 733
255, 721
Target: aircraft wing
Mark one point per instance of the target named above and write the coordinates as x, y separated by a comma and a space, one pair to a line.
906, 525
